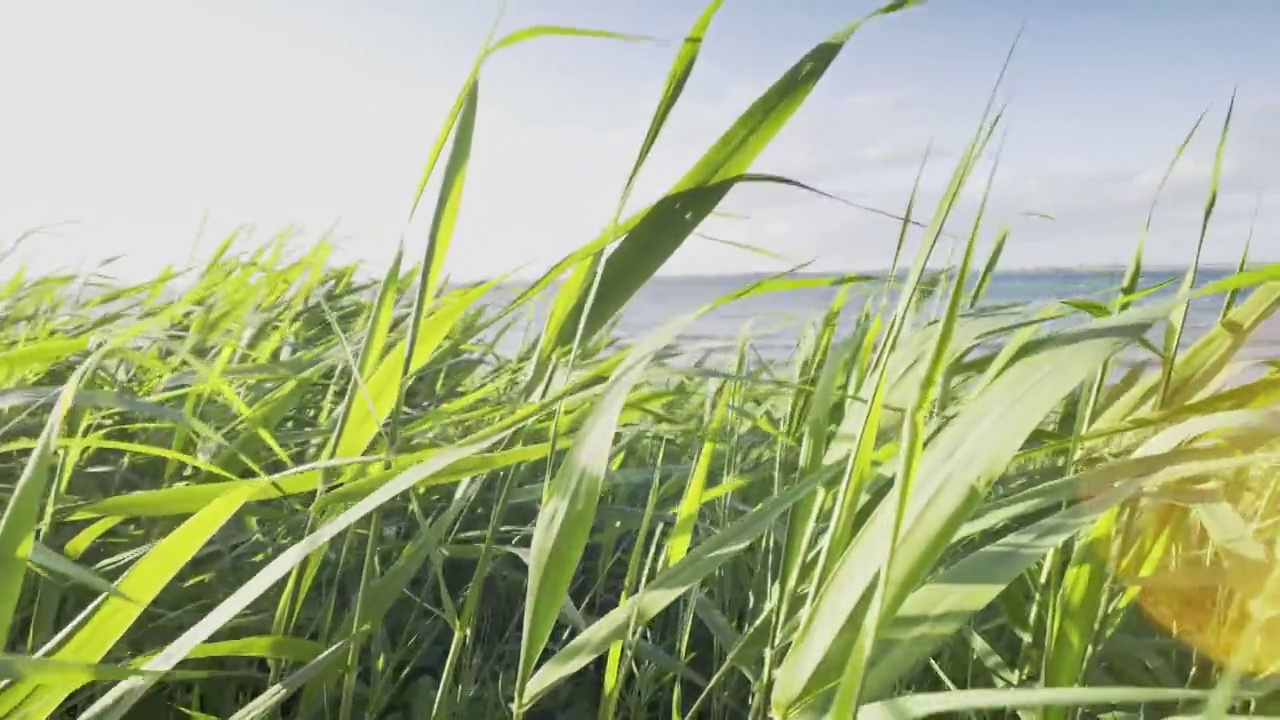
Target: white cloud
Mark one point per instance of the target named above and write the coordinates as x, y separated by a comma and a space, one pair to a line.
135, 118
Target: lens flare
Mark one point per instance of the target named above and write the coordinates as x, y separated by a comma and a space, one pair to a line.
1200, 560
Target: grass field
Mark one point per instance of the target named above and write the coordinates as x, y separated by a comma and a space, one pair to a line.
269, 488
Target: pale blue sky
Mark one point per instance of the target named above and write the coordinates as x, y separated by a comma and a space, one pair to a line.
134, 118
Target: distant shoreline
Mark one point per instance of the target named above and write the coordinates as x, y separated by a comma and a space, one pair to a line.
1149, 270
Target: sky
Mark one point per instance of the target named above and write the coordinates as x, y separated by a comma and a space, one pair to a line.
149, 130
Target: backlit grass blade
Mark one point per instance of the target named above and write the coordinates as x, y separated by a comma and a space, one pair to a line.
1229, 302
653, 240
1203, 361
384, 591
463, 120
677, 77
258, 646
57, 564
993, 261
116, 703
17, 525
374, 345
581, 284
1135, 269
687, 515
849, 691
92, 443
951, 480
477, 464
615, 667
626, 225
16, 361
936, 611
357, 391
142, 584
538, 31
35, 670
660, 592
865, 422
862, 426
564, 523
811, 413
384, 384
273, 696
909, 707
447, 206
1177, 324
108, 400
187, 499
514, 38
417, 346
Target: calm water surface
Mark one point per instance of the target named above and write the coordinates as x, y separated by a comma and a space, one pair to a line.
776, 321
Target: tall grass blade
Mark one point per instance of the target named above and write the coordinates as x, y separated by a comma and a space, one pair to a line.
114, 704
18, 524
564, 523
663, 229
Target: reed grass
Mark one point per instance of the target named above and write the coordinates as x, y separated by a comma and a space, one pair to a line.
268, 487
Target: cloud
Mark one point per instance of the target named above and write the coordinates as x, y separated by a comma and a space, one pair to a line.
1106, 209
1063, 208
271, 120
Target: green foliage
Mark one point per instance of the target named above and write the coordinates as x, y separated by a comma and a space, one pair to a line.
269, 488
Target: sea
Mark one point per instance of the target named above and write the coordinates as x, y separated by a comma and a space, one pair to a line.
775, 322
